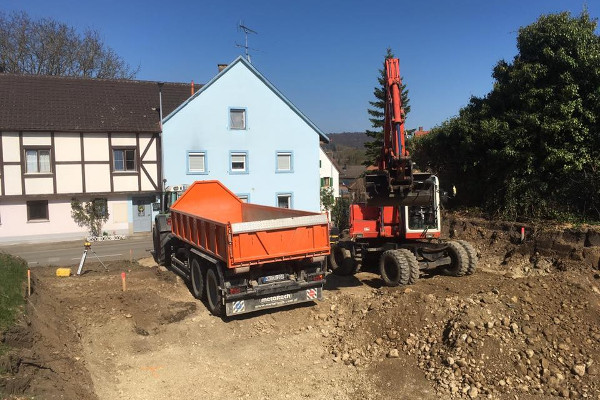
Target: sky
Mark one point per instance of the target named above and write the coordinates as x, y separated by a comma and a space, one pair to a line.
324, 56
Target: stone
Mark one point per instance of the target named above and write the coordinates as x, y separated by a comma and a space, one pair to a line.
393, 353
578, 369
473, 392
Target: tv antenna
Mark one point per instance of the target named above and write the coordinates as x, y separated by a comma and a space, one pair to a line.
242, 27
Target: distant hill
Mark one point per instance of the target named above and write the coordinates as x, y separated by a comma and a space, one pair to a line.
350, 139
347, 148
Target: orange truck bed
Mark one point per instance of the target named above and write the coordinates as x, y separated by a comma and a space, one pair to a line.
214, 220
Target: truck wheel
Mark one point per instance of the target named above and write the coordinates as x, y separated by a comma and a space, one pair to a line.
472, 253
395, 269
341, 261
213, 294
197, 277
459, 259
162, 247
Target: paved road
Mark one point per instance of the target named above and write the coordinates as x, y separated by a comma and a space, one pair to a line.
69, 253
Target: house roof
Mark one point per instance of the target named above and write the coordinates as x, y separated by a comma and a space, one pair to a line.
352, 171
243, 61
54, 103
330, 158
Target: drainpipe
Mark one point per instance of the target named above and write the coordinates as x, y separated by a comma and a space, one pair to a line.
162, 144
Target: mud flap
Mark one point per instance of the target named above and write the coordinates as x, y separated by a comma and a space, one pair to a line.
242, 306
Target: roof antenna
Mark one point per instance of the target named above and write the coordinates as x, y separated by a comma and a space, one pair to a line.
242, 27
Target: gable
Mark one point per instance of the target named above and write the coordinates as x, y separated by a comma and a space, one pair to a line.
240, 82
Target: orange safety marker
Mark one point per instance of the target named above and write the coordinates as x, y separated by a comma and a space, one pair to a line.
123, 280
28, 283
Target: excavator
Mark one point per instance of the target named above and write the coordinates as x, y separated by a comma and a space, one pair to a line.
398, 228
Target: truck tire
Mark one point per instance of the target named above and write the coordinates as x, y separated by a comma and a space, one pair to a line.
162, 246
459, 259
213, 294
197, 278
341, 261
395, 268
472, 253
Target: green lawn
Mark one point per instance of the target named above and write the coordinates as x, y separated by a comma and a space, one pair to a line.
13, 274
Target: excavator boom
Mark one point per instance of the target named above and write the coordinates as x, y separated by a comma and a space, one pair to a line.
393, 183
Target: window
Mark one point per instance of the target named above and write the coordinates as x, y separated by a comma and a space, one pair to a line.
284, 162
237, 118
284, 200
37, 210
37, 161
124, 160
238, 162
197, 162
325, 182
243, 197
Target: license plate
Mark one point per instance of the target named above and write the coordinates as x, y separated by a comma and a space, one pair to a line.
272, 278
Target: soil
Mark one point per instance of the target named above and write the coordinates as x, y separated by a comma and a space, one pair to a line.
526, 325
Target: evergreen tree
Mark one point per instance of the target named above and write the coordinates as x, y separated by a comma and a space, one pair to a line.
377, 115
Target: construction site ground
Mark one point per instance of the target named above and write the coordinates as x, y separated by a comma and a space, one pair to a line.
526, 325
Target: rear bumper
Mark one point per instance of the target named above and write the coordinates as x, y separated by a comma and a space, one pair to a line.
261, 300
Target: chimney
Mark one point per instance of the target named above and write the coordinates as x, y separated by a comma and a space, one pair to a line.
420, 128
221, 67
192, 88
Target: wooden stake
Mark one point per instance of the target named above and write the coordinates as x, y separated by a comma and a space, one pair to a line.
123, 280
28, 283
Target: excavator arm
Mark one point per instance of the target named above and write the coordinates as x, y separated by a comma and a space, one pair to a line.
394, 183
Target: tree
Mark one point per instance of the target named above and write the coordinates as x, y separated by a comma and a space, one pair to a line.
327, 199
531, 147
49, 47
377, 115
340, 213
92, 214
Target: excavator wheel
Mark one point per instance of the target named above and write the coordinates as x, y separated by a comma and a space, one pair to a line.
472, 253
398, 267
459, 259
197, 278
341, 261
213, 294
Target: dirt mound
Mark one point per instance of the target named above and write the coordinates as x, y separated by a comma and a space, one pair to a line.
45, 353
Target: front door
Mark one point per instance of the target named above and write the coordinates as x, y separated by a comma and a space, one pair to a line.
142, 214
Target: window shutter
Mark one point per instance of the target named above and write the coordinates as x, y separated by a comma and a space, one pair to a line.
284, 162
196, 162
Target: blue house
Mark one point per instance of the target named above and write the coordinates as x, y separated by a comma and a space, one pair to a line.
240, 130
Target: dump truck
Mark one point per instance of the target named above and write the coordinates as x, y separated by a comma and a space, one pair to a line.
242, 257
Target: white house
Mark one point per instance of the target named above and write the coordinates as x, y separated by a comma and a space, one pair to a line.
329, 173
63, 138
239, 129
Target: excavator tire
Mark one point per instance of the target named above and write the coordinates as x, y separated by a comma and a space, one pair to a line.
341, 261
459, 259
472, 253
413, 266
395, 268
197, 278
213, 294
